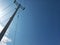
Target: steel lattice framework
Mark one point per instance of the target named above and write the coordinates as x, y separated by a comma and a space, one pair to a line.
11, 19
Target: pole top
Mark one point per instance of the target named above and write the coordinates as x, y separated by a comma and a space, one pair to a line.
17, 4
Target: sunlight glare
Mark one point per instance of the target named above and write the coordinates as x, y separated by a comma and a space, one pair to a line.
1, 28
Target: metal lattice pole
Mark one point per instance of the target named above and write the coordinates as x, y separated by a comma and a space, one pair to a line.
10, 20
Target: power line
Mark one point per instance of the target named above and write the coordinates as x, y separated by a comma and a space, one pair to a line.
14, 43
8, 7
16, 29
6, 13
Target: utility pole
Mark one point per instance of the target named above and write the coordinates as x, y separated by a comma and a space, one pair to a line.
11, 19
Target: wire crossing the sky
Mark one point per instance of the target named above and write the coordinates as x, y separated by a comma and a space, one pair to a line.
6, 13
6, 8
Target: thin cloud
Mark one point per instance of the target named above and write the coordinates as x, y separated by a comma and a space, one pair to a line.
5, 40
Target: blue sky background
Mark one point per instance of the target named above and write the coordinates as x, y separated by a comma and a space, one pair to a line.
38, 24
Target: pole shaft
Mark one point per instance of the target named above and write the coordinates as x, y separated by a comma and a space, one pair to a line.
8, 23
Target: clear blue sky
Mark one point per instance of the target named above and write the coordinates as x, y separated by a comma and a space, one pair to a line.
38, 24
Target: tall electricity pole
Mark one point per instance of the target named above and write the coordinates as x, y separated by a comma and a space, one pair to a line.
11, 19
